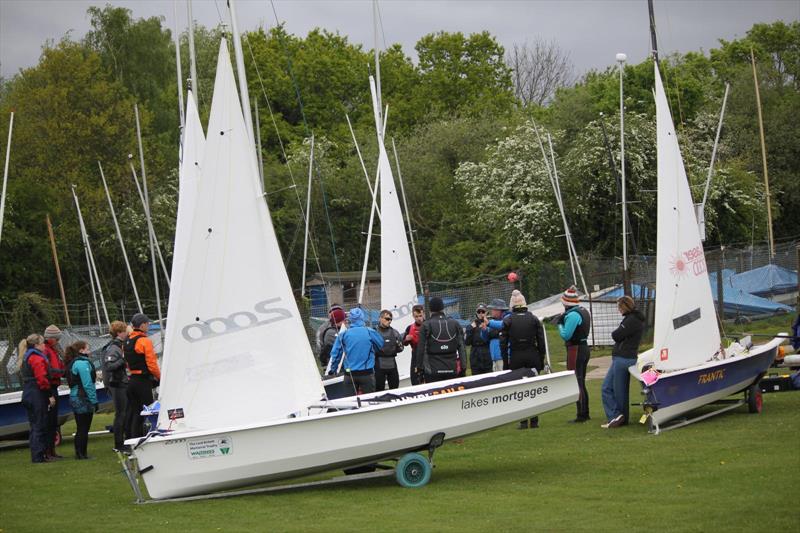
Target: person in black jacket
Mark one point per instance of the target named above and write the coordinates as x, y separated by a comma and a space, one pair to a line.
385, 360
480, 359
441, 345
626, 349
115, 378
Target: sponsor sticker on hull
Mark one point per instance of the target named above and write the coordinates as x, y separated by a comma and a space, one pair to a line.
209, 447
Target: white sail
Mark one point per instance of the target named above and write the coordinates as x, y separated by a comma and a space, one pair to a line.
240, 354
398, 291
686, 332
188, 183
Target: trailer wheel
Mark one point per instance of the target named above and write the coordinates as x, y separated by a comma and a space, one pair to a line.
755, 399
412, 471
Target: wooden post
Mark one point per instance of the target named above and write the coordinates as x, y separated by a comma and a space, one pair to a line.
58, 269
763, 158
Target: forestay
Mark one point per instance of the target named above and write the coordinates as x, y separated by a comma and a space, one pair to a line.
398, 292
188, 176
239, 352
686, 332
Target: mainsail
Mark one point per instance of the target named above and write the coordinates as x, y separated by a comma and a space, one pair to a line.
240, 354
686, 332
398, 291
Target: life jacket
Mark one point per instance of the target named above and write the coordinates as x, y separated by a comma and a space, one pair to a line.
117, 376
476, 339
522, 329
443, 337
73, 379
54, 371
390, 341
136, 361
27, 369
581, 332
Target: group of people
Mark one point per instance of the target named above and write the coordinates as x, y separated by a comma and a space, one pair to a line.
130, 372
500, 337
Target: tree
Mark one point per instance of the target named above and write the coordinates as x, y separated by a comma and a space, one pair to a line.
539, 69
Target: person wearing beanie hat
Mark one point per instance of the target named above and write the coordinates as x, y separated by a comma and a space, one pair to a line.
56, 372
144, 372
526, 347
354, 351
573, 327
616, 385
326, 334
498, 343
480, 358
442, 345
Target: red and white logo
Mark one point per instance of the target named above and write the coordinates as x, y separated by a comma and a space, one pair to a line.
664, 354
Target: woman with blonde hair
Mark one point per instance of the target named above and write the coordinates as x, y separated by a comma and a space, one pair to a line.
37, 395
626, 349
82, 393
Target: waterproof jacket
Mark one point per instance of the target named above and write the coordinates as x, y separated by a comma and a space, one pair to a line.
326, 339
392, 345
498, 345
441, 345
82, 393
416, 358
357, 346
628, 335
56, 368
115, 372
35, 368
140, 356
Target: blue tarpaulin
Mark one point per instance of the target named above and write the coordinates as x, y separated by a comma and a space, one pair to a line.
768, 280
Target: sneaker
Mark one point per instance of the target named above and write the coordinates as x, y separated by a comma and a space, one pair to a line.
615, 422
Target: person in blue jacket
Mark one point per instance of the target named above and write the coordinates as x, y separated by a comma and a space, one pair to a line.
355, 350
81, 377
573, 326
493, 334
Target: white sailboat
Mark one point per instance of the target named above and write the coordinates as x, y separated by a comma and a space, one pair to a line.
241, 398
687, 366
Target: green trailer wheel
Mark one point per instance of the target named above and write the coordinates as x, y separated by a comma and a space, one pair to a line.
412, 471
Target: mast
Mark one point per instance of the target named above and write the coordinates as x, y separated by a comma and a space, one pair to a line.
5, 174
763, 157
178, 67
308, 217
58, 269
653, 40
377, 62
151, 232
119, 237
90, 257
192, 57
621, 58
701, 214
149, 224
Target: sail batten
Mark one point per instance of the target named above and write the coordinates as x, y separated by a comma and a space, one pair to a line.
238, 349
686, 332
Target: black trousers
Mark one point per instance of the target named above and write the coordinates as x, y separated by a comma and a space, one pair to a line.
52, 424
83, 421
36, 402
382, 376
120, 397
359, 383
527, 359
581, 354
140, 393
480, 360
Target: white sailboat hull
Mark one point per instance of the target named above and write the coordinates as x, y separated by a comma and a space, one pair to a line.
193, 463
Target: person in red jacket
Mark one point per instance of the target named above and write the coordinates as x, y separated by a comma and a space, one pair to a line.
144, 371
52, 334
411, 337
37, 394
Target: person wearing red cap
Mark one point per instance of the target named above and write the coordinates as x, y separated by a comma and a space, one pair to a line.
573, 326
326, 335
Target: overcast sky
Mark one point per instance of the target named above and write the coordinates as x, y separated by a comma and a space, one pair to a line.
591, 31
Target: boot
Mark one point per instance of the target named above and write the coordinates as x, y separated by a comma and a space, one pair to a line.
523, 425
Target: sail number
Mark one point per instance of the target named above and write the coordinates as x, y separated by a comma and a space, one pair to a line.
203, 330
696, 258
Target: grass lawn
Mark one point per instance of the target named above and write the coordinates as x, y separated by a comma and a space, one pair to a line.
732, 472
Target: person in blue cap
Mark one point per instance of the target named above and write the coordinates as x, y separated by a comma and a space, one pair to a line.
354, 351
